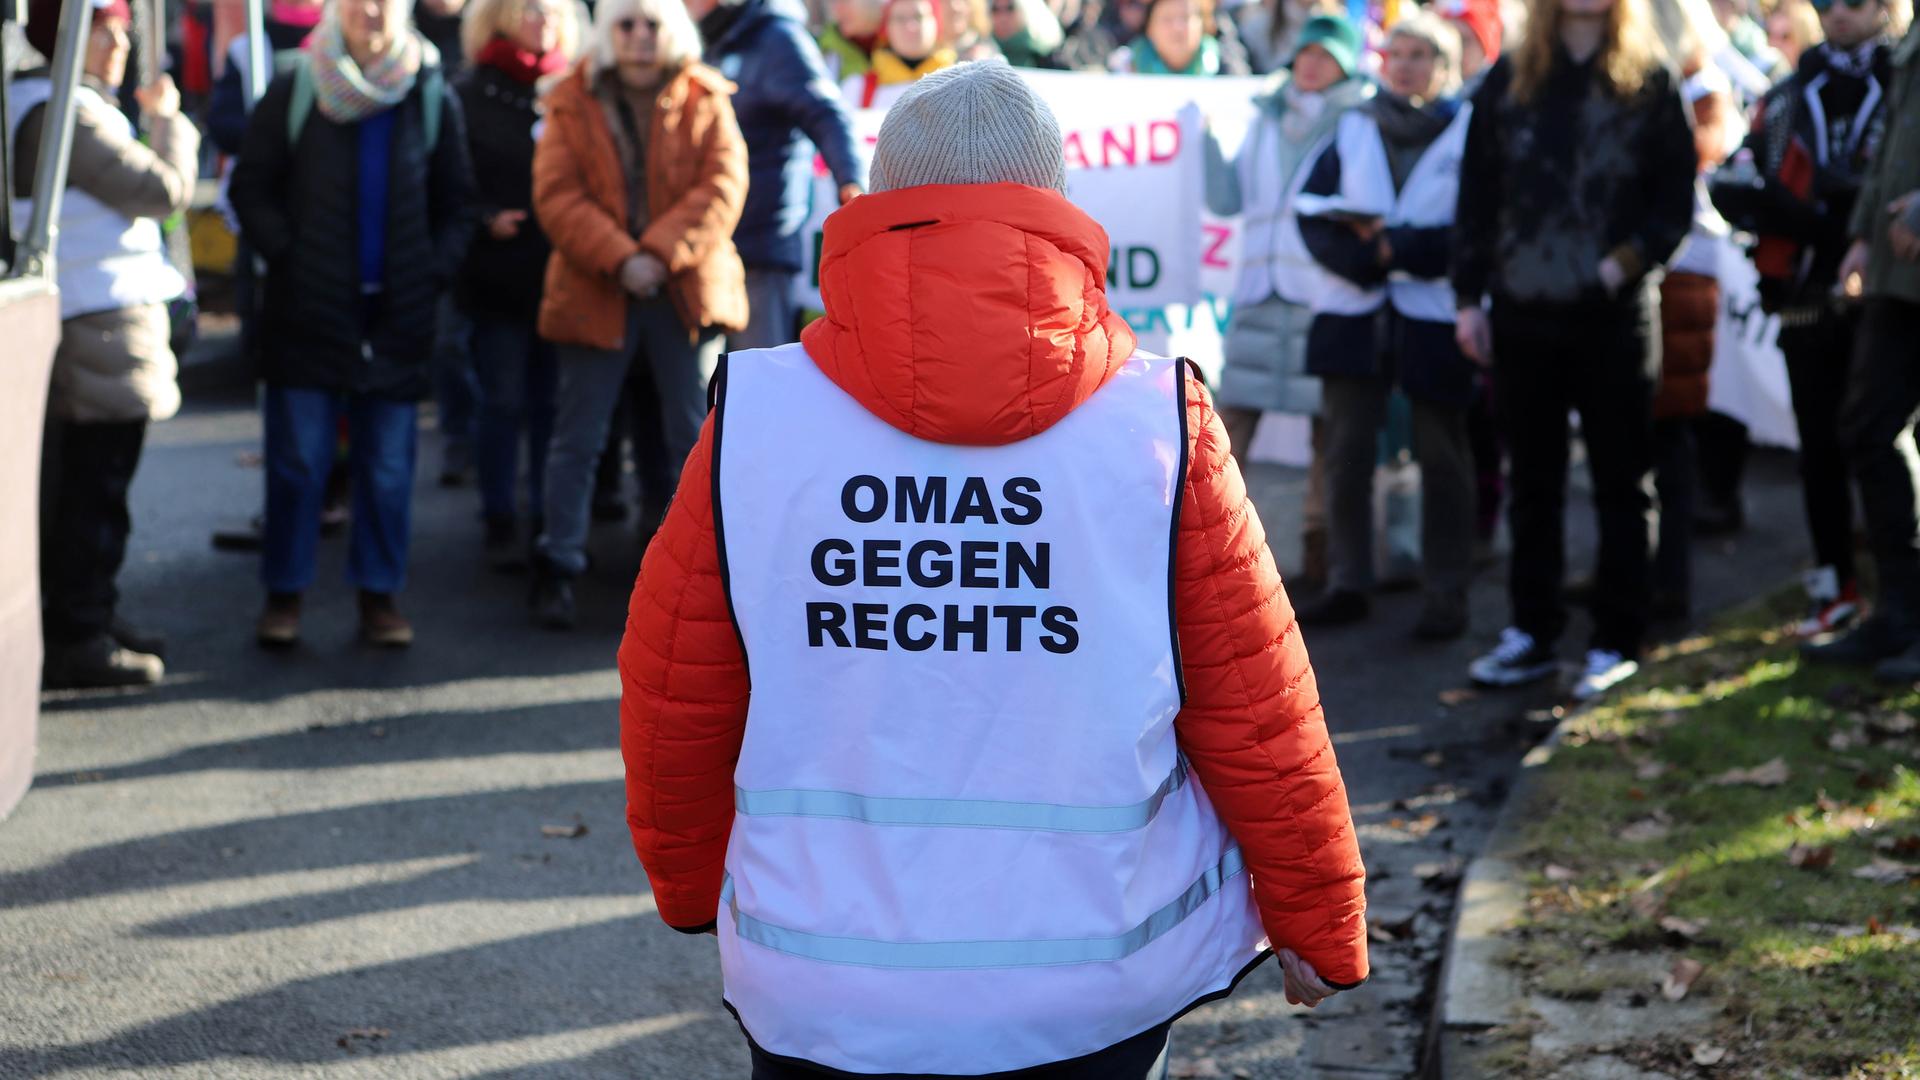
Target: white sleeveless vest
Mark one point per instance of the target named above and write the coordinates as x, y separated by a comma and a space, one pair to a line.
1366, 188
104, 259
1274, 260
965, 840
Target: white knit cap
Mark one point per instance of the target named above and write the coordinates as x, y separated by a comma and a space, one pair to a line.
973, 123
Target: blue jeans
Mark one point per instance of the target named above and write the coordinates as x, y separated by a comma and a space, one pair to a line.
771, 311
516, 379
591, 381
382, 442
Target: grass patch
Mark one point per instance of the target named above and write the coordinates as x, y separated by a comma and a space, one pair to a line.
1635, 846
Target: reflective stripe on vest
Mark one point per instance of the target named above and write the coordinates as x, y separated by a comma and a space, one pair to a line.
949, 955
960, 813
959, 794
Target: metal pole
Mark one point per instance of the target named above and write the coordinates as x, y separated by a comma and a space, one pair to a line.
258, 49
56, 140
6, 151
153, 42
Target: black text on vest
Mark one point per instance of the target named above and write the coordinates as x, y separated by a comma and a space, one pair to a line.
924, 564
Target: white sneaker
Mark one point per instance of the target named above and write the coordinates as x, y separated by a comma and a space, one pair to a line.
1517, 660
1606, 669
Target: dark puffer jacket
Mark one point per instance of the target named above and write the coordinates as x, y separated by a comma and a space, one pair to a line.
501, 279
297, 205
784, 100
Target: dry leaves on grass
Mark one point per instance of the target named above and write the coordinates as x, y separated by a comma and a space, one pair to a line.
1900, 845
1651, 770
1893, 725
1772, 774
1558, 873
1709, 1055
1685, 929
1686, 971
1888, 872
1810, 858
1647, 830
563, 832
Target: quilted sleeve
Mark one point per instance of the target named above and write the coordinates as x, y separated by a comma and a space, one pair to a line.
683, 705
1252, 726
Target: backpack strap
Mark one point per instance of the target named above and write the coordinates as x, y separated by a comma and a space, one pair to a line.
433, 99
299, 100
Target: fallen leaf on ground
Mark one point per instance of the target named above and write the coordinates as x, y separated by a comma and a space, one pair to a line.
1646, 831
1433, 759
1686, 971
1809, 858
1647, 904
360, 1035
1684, 928
1651, 770
1458, 696
1709, 1054
1197, 1069
563, 832
1561, 873
1851, 739
1887, 871
1772, 774
1900, 845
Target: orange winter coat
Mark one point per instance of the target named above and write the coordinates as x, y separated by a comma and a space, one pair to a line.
696, 185
985, 324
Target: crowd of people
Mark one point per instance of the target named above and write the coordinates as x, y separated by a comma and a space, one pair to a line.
1461, 224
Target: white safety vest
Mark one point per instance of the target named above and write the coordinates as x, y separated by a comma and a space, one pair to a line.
1426, 200
1274, 258
965, 838
105, 260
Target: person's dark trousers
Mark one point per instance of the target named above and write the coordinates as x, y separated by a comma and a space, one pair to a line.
1819, 355
302, 434
1676, 482
1601, 361
1143, 1057
1881, 406
1355, 409
516, 381
1489, 461
1722, 444
85, 471
454, 388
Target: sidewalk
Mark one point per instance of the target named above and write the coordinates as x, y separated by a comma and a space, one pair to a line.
1715, 873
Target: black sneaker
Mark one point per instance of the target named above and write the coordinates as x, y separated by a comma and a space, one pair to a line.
552, 597
609, 508
1340, 607
1870, 642
1516, 661
98, 663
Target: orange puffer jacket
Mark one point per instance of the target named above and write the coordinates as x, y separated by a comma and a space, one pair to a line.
1009, 332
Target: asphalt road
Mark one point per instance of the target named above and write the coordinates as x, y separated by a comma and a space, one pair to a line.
331, 863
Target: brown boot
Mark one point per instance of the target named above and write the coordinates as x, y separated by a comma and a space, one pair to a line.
279, 625
381, 624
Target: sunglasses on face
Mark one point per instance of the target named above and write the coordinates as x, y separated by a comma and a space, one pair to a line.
1824, 6
627, 26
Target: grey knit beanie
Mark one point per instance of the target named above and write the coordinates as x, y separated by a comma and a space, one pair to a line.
973, 123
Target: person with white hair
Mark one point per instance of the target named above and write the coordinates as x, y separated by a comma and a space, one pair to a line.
1377, 213
353, 185
639, 180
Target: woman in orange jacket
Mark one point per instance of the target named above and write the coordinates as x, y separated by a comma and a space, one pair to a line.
638, 179
954, 804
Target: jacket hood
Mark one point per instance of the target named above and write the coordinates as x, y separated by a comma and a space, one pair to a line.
730, 24
973, 314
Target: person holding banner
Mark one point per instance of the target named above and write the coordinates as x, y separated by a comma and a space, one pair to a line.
114, 372
1265, 348
1032, 759
1581, 154
1377, 212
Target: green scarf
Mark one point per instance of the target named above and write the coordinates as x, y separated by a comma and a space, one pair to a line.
1020, 50
1204, 62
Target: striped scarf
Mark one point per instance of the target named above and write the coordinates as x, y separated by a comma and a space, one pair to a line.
347, 95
